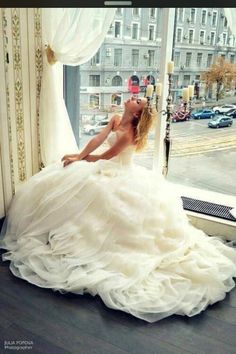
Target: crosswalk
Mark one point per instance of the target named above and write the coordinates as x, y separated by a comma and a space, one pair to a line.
189, 145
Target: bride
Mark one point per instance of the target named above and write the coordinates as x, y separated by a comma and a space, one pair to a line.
99, 224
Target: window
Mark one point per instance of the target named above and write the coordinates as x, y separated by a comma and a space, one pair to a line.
180, 14
209, 59
225, 22
94, 80
151, 57
214, 19
177, 59
179, 35
94, 100
135, 57
190, 36
204, 17
192, 16
117, 57
95, 59
201, 37
117, 29
151, 32
188, 60
136, 11
212, 38
223, 56
186, 81
224, 38
199, 59
116, 81
135, 31
232, 56
175, 81
152, 13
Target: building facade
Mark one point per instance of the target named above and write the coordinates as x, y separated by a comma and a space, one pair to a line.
201, 35
133, 47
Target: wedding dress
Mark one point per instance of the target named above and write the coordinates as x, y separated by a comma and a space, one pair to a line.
118, 230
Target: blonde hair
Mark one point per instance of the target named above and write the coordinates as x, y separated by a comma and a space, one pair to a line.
144, 124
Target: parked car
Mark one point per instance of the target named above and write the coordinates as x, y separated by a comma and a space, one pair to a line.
223, 109
180, 116
95, 127
203, 113
220, 121
231, 113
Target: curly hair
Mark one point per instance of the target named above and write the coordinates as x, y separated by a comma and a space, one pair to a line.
142, 126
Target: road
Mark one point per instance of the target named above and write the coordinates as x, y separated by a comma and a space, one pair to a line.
200, 156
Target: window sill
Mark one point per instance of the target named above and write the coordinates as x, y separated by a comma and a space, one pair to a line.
213, 226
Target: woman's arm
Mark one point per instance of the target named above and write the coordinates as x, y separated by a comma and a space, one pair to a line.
117, 148
93, 144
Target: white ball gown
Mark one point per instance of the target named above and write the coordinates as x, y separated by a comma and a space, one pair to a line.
117, 230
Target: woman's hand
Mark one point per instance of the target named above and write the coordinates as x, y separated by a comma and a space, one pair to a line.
68, 159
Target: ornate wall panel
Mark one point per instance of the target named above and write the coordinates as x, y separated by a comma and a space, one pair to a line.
21, 70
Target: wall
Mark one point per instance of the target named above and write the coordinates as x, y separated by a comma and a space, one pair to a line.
20, 71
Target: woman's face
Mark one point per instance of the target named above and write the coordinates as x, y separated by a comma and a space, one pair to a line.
135, 104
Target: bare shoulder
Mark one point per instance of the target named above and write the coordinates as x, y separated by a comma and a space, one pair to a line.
115, 121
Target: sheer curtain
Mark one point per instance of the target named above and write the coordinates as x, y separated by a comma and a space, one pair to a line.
71, 37
230, 14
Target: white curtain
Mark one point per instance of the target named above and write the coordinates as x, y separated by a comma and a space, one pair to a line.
230, 14
74, 35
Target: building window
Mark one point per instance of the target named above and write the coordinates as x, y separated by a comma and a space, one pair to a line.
188, 60
135, 57
151, 57
175, 81
94, 80
152, 12
180, 14
116, 99
204, 17
95, 59
212, 38
209, 60
223, 56
199, 59
94, 100
214, 19
116, 81
224, 38
192, 16
225, 22
190, 36
201, 37
177, 59
179, 35
135, 31
136, 11
117, 57
186, 81
151, 31
117, 29
232, 58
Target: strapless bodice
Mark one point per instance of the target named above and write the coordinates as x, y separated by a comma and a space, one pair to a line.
126, 156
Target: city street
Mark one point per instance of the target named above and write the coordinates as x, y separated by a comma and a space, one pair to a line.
200, 156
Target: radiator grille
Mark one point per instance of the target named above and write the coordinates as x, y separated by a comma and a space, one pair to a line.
207, 208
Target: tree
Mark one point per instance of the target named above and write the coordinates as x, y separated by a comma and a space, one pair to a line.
222, 73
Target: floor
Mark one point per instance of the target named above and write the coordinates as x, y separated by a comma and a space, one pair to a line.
38, 320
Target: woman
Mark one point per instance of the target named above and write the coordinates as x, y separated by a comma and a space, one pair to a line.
98, 224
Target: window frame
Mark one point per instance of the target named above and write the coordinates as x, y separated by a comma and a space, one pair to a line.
192, 30
138, 30
154, 32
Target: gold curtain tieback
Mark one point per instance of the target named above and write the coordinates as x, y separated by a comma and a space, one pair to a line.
50, 55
